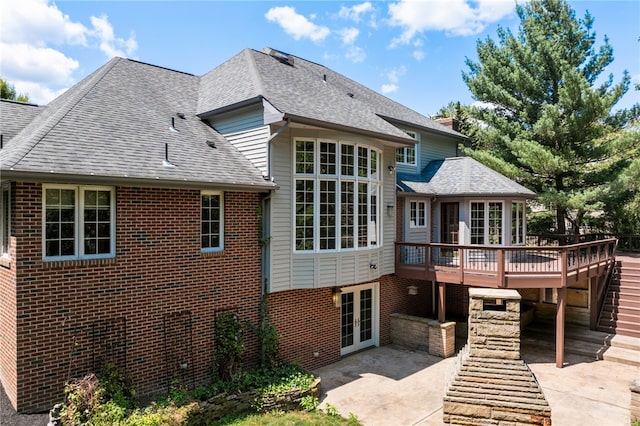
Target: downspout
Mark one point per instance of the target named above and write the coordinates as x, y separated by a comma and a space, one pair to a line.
265, 236
271, 138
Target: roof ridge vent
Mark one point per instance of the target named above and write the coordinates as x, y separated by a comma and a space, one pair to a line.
283, 57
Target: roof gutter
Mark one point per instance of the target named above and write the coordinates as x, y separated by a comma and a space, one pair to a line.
450, 132
134, 181
231, 107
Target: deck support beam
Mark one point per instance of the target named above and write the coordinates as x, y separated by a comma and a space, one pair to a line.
442, 290
560, 314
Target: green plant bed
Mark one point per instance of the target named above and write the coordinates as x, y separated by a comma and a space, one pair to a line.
316, 418
284, 387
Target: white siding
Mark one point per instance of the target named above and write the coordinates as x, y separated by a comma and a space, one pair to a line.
245, 129
281, 244
289, 270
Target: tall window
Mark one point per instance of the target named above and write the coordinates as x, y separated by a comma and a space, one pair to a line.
337, 193
407, 154
211, 221
517, 222
417, 214
5, 220
78, 222
486, 222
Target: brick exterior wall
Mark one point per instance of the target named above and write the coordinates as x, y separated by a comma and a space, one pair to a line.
8, 314
153, 306
73, 313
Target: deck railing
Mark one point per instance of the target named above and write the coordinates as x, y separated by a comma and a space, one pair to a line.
505, 266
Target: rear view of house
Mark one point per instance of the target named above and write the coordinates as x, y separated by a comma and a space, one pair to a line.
144, 201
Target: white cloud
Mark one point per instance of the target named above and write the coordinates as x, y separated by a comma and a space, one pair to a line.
108, 42
355, 54
25, 62
296, 25
418, 55
354, 12
34, 36
393, 76
389, 88
455, 17
39, 23
349, 35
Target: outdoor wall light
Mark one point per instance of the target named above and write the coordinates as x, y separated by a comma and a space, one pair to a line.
390, 208
412, 290
337, 299
391, 169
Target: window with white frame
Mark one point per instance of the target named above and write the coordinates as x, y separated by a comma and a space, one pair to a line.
517, 222
211, 221
407, 154
486, 222
78, 222
337, 193
5, 219
417, 214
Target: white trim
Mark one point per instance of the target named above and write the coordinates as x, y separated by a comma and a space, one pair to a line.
221, 246
78, 235
425, 215
375, 313
5, 220
486, 221
373, 179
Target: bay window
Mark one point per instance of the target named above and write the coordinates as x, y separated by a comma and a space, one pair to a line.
486, 222
517, 222
78, 222
337, 192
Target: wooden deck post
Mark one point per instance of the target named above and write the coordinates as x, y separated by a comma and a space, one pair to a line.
441, 301
560, 314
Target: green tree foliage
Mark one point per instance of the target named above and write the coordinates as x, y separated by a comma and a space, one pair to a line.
8, 91
546, 112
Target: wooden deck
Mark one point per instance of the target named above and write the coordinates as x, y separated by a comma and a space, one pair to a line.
512, 267
505, 266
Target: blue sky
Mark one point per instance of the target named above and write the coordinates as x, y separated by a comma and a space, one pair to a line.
411, 51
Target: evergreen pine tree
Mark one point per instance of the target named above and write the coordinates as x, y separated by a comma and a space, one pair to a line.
546, 111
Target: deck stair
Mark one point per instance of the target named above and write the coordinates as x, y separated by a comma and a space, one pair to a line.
620, 313
579, 340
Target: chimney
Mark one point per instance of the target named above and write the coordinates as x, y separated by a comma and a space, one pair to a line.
449, 122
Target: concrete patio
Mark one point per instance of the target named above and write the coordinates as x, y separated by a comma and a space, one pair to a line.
395, 386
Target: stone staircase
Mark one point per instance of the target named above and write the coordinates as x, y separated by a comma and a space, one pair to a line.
579, 340
620, 313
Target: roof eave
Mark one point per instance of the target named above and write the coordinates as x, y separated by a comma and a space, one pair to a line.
231, 107
451, 133
405, 141
30, 176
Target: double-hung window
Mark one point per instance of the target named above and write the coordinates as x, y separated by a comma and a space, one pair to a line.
407, 154
486, 222
418, 214
5, 219
337, 195
517, 222
78, 222
212, 221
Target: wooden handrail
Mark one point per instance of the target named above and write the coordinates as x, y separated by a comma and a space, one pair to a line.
486, 264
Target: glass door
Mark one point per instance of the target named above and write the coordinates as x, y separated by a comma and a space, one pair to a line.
358, 319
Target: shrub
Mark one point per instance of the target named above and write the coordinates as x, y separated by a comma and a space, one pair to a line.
229, 346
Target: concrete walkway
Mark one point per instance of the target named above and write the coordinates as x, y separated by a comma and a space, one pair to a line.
394, 386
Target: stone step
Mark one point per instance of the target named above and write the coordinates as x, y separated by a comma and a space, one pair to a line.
622, 356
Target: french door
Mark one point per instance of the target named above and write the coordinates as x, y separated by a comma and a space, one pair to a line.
359, 318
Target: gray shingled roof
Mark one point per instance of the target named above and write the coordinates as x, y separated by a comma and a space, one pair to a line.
309, 91
116, 123
15, 116
460, 176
